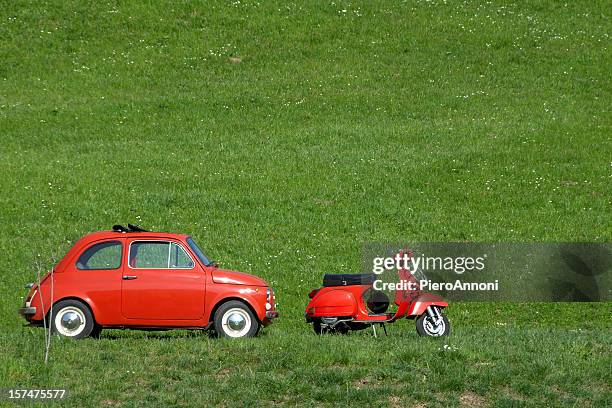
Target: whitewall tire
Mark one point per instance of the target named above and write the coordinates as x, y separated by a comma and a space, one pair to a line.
71, 319
234, 319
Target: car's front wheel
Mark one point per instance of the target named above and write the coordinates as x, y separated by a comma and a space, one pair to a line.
235, 319
71, 318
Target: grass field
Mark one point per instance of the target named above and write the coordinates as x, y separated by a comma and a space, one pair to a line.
285, 135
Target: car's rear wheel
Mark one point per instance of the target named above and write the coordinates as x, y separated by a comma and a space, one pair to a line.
72, 319
234, 319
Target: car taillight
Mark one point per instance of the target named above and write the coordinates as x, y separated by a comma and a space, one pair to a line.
28, 300
32, 290
313, 293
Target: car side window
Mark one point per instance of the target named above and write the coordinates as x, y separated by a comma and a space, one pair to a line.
159, 255
179, 257
104, 255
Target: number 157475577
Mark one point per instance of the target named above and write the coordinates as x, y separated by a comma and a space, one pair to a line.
34, 393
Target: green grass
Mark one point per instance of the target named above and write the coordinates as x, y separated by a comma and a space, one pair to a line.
539, 357
283, 136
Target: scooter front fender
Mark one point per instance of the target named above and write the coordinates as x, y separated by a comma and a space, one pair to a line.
421, 303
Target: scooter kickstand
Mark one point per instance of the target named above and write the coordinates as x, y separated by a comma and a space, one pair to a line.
374, 328
384, 328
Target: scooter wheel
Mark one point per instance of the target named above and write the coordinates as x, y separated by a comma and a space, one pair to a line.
427, 327
318, 329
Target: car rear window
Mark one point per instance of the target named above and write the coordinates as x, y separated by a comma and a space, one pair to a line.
104, 255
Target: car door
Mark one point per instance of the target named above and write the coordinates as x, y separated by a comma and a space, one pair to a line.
161, 281
96, 276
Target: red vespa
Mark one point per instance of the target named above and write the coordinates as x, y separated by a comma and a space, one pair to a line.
350, 302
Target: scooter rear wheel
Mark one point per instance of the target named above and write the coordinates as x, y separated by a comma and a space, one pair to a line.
316, 326
320, 329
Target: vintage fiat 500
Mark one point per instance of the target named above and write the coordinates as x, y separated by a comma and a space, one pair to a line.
132, 278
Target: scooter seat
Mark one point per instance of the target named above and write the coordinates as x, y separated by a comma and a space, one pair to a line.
348, 279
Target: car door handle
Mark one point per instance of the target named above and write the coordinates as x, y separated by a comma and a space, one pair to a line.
129, 277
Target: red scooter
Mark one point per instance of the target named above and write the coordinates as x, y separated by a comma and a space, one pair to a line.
350, 302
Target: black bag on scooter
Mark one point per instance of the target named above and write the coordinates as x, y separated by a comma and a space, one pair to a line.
348, 279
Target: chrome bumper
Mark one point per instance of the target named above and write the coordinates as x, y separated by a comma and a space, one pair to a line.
25, 311
271, 314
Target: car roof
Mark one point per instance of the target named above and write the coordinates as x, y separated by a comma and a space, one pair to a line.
102, 235
95, 236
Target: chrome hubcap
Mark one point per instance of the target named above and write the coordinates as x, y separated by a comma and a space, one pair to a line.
71, 320
236, 322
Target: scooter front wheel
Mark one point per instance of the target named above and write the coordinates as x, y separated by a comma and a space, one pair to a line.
426, 326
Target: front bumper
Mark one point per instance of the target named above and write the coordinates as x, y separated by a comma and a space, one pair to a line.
27, 311
271, 314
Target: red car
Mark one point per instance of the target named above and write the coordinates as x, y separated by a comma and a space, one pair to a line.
132, 278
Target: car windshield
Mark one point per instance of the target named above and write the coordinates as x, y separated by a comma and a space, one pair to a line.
196, 249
